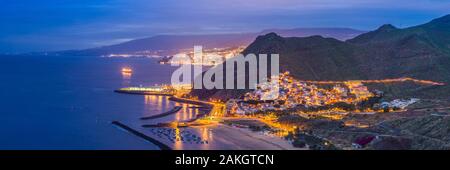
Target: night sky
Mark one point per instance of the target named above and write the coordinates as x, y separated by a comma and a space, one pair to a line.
32, 25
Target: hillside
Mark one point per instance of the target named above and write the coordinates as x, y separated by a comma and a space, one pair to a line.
420, 52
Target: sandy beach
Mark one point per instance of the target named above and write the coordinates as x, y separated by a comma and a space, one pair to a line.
216, 137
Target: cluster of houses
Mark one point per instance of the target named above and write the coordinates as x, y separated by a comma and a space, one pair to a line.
186, 56
397, 104
290, 93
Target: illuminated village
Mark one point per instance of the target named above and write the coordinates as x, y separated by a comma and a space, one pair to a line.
307, 97
208, 56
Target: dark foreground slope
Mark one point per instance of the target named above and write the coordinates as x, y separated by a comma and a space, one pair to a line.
421, 52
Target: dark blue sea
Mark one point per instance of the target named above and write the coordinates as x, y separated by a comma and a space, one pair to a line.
64, 102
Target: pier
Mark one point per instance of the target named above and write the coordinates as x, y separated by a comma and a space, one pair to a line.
143, 93
162, 91
173, 111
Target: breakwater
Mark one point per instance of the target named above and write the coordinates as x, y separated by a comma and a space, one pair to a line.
162, 146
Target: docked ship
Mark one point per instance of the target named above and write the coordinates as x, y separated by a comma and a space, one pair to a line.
127, 70
153, 90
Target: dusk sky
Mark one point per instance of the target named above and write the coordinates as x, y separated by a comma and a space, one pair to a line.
32, 25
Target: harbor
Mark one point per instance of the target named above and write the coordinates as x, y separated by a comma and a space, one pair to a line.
205, 130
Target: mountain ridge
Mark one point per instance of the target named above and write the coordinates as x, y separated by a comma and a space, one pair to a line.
173, 43
419, 52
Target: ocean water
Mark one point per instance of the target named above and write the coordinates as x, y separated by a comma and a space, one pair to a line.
68, 102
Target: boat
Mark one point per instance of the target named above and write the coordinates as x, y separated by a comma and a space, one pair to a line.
127, 70
154, 90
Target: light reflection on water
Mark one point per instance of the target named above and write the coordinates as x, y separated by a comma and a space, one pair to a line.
70, 101
163, 104
126, 76
178, 138
178, 144
184, 138
126, 79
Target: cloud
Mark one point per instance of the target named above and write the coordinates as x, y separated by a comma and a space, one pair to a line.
36, 25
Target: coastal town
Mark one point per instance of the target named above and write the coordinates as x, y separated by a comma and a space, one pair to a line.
294, 94
292, 117
187, 56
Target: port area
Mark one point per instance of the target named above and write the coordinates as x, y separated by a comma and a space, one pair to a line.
215, 131
207, 131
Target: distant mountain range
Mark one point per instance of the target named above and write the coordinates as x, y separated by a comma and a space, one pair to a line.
171, 44
421, 52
